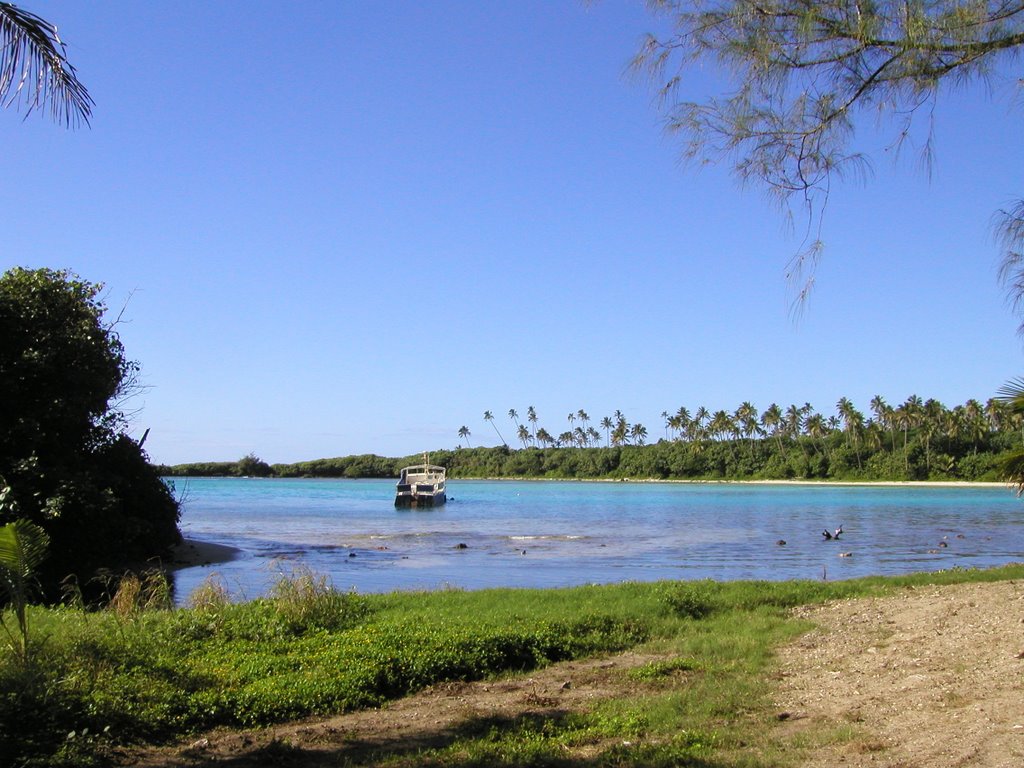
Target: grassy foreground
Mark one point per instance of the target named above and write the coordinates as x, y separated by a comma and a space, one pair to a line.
136, 674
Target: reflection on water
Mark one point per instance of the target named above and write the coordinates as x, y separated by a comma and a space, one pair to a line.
549, 534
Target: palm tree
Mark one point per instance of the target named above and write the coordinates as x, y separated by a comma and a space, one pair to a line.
583, 416
721, 425
579, 437
975, 423
746, 421
853, 425
544, 437
638, 432
793, 421
514, 415
488, 416
606, 425
771, 420
817, 429
683, 425
531, 416
34, 69
884, 417
931, 423
620, 435
23, 546
523, 434
464, 434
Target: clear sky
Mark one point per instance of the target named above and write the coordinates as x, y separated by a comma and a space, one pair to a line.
353, 226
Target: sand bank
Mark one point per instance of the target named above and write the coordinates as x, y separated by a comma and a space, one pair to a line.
192, 552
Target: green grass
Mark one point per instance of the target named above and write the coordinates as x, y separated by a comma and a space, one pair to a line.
100, 679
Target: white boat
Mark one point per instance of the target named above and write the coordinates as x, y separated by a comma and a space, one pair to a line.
421, 485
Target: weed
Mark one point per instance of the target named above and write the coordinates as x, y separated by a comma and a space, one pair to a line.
211, 596
306, 601
659, 669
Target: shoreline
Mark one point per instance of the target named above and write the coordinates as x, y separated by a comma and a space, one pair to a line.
641, 480
191, 553
858, 483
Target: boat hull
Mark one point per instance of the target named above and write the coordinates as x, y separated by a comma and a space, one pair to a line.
420, 500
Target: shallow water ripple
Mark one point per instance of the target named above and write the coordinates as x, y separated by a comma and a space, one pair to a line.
553, 534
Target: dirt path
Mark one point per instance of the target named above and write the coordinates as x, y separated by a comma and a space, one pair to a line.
432, 718
931, 678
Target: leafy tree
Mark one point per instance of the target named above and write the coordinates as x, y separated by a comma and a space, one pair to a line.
34, 68
803, 73
253, 466
69, 467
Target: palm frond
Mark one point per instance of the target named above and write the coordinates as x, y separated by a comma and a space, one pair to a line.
23, 546
35, 71
1011, 469
1012, 393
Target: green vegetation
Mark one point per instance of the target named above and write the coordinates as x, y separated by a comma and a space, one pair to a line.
66, 463
139, 672
916, 440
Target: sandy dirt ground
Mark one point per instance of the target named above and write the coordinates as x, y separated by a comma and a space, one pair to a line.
931, 678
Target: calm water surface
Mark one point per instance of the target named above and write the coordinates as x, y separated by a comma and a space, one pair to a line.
553, 534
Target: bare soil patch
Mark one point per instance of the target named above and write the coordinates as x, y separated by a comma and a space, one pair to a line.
432, 718
932, 677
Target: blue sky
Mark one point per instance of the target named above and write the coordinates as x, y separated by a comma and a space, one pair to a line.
353, 227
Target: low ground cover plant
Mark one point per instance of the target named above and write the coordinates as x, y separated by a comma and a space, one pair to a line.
101, 678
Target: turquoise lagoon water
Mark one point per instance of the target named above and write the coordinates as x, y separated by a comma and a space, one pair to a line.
554, 534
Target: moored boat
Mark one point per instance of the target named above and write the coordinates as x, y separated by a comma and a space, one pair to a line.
421, 485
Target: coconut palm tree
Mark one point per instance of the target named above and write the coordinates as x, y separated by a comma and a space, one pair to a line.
884, 417
583, 416
721, 425
771, 421
523, 434
683, 425
514, 415
35, 71
817, 429
638, 432
607, 425
531, 416
488, 416
746, 422
579, 436
620, 435
464, 434
23, 547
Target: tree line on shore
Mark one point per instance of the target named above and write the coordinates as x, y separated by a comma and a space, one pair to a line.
915, 440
